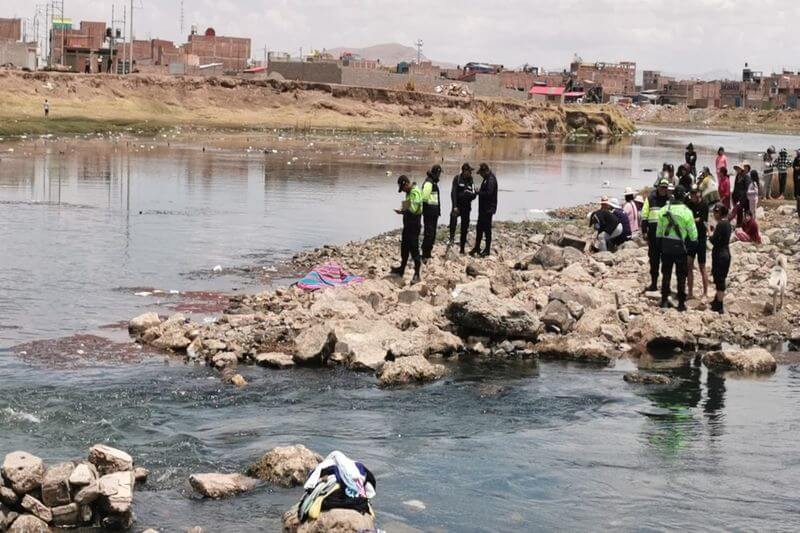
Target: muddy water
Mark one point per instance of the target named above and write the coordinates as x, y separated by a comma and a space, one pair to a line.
89, 229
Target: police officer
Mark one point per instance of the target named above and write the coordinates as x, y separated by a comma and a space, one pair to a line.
487, 207
462, 194
412, 224
430, 210
657, 199
677, 232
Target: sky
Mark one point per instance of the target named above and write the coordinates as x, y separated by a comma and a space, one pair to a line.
675, 36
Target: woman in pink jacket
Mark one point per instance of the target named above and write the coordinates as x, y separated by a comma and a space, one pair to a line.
722, 160
632, 211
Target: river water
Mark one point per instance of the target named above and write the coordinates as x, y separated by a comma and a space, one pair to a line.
91, 227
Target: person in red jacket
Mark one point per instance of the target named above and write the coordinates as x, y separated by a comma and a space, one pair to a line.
724, 186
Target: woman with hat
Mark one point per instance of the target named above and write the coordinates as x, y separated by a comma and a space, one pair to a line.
631, 210
605, 224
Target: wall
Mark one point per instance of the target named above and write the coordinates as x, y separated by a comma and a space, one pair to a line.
324, 72
22, 55
232, 52
10, 29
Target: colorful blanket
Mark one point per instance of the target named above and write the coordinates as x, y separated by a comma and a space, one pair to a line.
327, 276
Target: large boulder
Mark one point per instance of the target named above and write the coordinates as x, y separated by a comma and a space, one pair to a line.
557, 316
576, 348
364, 344
37, 508
409, 369
28, 523
332, 521
116, 492
142, 323
287, 466
55, 485
424, 341
475, 309
658, 331
221, 485
754, 360
108, 460
173, 339
550, 257
23, 471
313, 344
274, 360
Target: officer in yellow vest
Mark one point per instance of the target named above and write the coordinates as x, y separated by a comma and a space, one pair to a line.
657, 199
431, 210
412, 224
677, 232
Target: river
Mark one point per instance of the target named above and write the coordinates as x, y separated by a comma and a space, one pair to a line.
91, 228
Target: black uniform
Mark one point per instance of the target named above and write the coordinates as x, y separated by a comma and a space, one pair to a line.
430, 217
462, 194
700, 212
721, 254
653, 242
487, 207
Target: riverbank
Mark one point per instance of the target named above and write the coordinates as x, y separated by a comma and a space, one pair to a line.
737, 119
538, 296
146, 104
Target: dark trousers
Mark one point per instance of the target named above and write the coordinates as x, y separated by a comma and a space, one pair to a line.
409, 245
681, 271
654, 253
484, 229
431, 222
782, 182
464, 216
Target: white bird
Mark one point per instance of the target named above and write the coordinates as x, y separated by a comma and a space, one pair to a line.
778, 281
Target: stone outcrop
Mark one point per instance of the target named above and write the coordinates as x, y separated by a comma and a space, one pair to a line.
414, 369
142, 323
108, 460
221, 485
23, 471
754, 360
275, 360
646, 379
576, 348
286, 466
475, 309
332, 521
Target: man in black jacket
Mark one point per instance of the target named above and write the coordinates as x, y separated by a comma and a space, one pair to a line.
461, 195
487, 207
430, 210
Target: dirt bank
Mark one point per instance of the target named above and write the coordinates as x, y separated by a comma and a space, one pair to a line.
766, 121
84, 103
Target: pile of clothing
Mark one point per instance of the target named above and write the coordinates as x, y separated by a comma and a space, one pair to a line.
338, 482
328, 276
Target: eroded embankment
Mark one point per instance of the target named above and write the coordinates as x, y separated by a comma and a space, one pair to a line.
737, 119
99, 103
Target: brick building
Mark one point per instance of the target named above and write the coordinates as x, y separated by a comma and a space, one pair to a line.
232, 52
89, 35
653, 80
10, 29
616, 79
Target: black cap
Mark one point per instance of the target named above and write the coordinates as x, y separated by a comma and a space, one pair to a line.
483, 168
402, 180
436, 169
465, 167
680, 192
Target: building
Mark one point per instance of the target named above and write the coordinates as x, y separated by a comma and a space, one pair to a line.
14, 52
653, 80
615, 79
89, 36
10, 30
232, 52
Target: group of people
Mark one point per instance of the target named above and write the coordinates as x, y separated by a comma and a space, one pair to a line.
421, 210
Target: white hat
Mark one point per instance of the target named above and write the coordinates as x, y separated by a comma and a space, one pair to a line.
639, 198
629, 191
613, 203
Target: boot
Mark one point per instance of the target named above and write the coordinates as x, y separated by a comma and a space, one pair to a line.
720, 308
416, 279
665, 303
681, 306
461, 251
398, 271
485, 253
653, 287
475, 251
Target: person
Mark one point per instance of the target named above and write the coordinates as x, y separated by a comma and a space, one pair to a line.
739, 198
748, 232
412, 224
487, 207
656, 200
724, 188
462, 194
623, 219
46, 108
721, 160
699, 209
720, 255
631, 210
606, 225
752, 192
685, 177
782, 164
766, 172
796, 179
431, 210
691, 159
709, 189
678, 234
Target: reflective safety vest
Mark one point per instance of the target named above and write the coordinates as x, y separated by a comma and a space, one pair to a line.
430, 195
414, 200
676, 221
652, 206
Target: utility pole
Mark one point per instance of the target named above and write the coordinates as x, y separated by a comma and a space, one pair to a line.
130, 66
418, 44
63, 34
124, 37
265, 56
181, 17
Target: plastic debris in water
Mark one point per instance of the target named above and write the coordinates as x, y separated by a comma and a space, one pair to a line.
217, 268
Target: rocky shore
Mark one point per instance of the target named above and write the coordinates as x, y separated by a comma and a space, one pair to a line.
541, 295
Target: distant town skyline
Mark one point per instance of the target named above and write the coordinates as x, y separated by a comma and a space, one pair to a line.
688, 39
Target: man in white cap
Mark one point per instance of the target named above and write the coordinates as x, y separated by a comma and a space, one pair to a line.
632, 211
606, 224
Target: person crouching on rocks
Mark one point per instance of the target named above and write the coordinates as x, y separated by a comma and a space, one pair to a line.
430, 210
677, 232
606, 225
412, 224
720, 255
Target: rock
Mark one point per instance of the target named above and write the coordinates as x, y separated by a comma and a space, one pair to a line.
23, 471
589, 297
82, 475
576, 348
646, 379
140, 475
567, 240
55, 485
364, 344
408, 296
142, 323
224, 360
221, 485
116, 492
475, 308
607, 258
287, 466
550, 257
755, 360
109, 460
66, 515
332, 521
313, 344
238, 380
612, 332
88, 494
37, 508
409, 369
274, 360
172, 339
28, 523
425, 341
557, 317
8, 497
659, 331
575, 272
